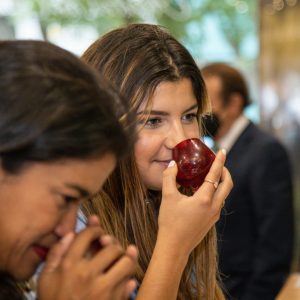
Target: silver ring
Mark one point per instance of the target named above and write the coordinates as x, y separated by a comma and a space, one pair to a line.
214, 183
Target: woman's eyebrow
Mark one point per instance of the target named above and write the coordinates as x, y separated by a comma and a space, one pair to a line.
163, 113
152, 112
191, 108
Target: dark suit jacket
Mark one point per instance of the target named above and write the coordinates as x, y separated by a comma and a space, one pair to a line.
255, 230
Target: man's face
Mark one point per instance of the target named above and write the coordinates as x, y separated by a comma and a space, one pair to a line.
214, 90
221, 111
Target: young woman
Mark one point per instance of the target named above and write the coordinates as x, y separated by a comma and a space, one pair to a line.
60, 138
140, 203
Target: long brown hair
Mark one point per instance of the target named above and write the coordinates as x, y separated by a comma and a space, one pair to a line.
136, 59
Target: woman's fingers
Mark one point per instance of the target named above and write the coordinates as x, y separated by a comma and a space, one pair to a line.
106, 240
131, 285
169, 179
213, 177
224, 188
105, 272
124, 268
93, 220
83, 242
132, 252
57, 253
109, 255
105, 258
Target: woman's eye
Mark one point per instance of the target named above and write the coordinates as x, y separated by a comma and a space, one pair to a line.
70, 199
153, 122
189, 118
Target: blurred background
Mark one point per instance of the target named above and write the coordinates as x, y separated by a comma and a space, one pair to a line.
261, 38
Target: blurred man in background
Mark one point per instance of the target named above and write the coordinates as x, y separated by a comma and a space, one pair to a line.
255, 231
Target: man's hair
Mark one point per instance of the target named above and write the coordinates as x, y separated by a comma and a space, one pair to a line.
233, 82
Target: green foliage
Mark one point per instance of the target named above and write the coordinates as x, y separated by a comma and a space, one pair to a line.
235, 18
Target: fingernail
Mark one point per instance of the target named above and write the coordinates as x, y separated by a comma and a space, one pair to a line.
93, 221
67, 238
106, 239
224, 151
171, 164
133, 250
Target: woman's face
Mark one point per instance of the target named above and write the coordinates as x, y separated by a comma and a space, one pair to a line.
39, 205
172, 118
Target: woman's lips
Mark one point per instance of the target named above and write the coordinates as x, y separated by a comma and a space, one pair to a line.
164, 163
41, 251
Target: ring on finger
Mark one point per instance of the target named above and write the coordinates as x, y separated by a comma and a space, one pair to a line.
214, 183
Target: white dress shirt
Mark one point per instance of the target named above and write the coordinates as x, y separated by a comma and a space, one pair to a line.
228, 140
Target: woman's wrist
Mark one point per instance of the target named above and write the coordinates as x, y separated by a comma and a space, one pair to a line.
164, 272
171, 249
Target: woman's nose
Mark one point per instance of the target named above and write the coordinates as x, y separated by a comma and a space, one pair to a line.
175, 135
67, 222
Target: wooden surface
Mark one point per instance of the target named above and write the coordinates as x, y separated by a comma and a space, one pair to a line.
291, 289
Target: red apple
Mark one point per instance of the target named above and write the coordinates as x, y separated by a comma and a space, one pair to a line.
194, 160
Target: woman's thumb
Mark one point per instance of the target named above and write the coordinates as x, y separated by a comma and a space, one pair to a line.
169, 179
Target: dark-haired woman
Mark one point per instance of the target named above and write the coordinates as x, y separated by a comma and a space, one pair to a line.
60, 137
